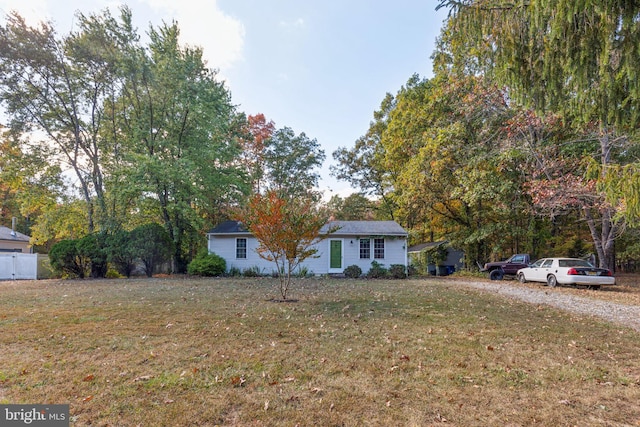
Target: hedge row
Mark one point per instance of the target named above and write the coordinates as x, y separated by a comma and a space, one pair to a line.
148, 245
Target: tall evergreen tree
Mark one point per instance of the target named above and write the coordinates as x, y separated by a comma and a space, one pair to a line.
575, 59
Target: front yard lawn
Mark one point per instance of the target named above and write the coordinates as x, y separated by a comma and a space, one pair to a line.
204, 352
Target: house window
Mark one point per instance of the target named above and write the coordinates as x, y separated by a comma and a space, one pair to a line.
365, 248
241, 248
378, 248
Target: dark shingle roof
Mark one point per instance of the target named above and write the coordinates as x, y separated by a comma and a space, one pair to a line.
366, 228
351, 228
229, 227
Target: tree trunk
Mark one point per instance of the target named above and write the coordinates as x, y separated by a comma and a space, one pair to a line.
604, 238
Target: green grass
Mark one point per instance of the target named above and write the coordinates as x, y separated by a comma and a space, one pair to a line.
189, 352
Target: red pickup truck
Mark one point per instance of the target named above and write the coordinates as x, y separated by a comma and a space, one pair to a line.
497, 270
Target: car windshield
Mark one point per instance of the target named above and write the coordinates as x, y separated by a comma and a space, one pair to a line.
538, 263
574, 263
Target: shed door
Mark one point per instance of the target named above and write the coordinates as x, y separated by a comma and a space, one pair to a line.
335, 254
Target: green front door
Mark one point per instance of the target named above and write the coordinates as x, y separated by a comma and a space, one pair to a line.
335, 254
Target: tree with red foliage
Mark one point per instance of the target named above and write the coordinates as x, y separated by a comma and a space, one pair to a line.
287, 229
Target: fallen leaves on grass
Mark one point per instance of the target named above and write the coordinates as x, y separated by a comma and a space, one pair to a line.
237, 381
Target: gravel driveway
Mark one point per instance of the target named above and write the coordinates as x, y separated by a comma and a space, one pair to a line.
627, 315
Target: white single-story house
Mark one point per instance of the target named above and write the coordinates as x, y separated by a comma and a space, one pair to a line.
13, 241
353, 243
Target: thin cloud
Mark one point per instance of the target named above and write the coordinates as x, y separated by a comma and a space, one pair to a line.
283, 77
33, 11
298, 23
203, 24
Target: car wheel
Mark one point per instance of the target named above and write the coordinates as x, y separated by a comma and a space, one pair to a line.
552, 281
521, 278
496, 275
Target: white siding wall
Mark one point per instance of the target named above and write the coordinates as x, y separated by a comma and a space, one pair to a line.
225, 246
320, 264
394, 253
395, 250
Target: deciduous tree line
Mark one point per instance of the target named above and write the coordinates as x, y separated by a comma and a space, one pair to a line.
526, 138
106, 133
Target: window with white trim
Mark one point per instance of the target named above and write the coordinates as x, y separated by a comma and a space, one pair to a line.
378, 248
365, 248
241, 248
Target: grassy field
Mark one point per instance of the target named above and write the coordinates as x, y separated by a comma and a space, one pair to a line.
205, 352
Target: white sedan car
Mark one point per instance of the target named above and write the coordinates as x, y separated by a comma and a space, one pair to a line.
566, 271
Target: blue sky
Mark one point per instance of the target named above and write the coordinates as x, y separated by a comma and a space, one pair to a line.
321, 67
